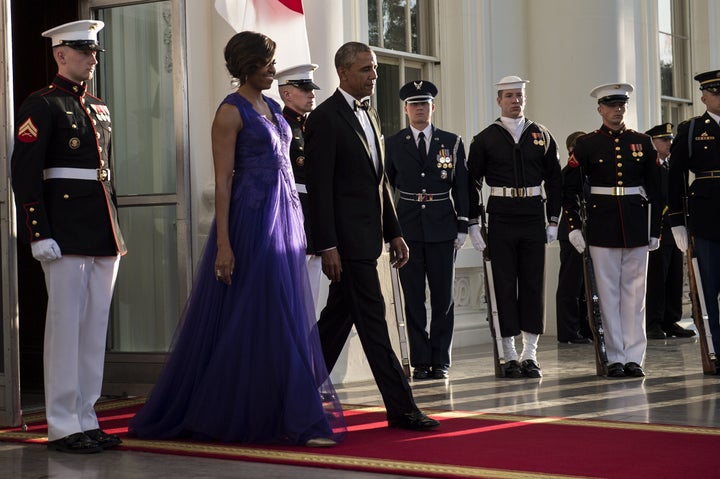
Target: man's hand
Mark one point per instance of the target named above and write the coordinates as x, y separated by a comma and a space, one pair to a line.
331, 265
399, 252
654, 244
460, 240
681, 238
577, 240
551, 233
476, 238
45, 250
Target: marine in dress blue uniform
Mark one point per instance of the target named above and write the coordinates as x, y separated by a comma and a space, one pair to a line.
517, 158
63, 185
570, 308
696, 149
663, 303
297, 91
624, 208
430, 180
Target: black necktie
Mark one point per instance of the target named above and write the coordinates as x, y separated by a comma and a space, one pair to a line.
422, 148
364, 104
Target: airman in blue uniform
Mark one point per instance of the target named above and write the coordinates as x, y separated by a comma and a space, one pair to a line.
427, 169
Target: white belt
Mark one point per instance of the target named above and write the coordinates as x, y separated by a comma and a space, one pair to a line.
99, 174
511, 192
617, 190
301, 188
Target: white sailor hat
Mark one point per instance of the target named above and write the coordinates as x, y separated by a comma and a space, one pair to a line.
80, 35
612, 93
511, 83
300, 76
420, 91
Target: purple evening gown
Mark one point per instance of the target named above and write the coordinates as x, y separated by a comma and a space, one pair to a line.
246, 364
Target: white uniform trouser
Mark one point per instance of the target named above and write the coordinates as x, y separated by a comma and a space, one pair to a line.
620, 274
314, 267
79, 293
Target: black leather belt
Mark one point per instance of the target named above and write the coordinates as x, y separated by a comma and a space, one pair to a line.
708, 174
424, 197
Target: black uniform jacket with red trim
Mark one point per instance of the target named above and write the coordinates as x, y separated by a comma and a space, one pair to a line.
297, 158
63, 126
444, 172
607, 158
696, 151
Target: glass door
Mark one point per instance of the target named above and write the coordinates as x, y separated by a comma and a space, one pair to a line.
9, 337
141, 76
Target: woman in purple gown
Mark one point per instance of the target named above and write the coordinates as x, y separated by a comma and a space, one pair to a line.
247, 365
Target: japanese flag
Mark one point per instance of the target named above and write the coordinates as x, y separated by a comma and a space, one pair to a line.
281, 20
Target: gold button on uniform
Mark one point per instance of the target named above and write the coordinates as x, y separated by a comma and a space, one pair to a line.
66, 196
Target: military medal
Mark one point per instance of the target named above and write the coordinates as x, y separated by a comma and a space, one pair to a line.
537, 139
443, 174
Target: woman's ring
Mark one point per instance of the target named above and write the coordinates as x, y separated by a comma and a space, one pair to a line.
218, 273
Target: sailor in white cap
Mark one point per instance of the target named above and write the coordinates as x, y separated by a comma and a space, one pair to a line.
297, 91
62, 179
518, 159
696, 149
619, 166
426, 166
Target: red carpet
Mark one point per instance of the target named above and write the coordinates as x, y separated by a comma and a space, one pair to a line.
467, 445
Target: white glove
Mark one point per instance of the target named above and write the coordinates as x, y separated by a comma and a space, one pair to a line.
476, 238
577, 240
681, 239
551, 233
45, 250
460, 240
654, 244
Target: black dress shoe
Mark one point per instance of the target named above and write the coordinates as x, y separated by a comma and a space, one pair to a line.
105, 440
616, 370
634, 370
678, 331
530, 369
414, 421
576, 339
513, 369
655, 332
78, 443
422, 372
440, 372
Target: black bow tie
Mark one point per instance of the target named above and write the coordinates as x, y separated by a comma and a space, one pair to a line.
364, 104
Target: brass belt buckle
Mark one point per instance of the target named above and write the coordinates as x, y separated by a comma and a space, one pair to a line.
618, 191
519, 192
102, 174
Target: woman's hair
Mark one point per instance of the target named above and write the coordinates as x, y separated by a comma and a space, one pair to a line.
246, 52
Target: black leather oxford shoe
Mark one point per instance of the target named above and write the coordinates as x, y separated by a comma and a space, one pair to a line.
440, 372
414, 420
78, 443
422, 372
616, 370
512, 369
530, 369
678, 331
105, 440
634, 370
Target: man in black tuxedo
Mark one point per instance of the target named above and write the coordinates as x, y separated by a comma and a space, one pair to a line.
351, 215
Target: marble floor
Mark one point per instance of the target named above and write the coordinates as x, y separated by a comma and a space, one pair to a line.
674, 392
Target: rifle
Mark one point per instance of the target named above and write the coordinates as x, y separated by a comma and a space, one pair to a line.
697, 299
400, 321
592, 299
493, 318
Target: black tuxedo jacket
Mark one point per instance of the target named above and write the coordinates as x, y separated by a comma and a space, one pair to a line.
350, 203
